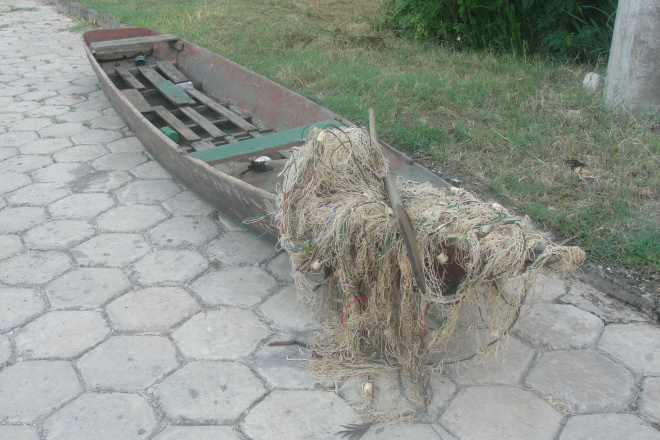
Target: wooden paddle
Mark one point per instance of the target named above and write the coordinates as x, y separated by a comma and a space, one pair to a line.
403, 220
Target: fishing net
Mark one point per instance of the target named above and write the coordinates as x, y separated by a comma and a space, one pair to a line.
338, 229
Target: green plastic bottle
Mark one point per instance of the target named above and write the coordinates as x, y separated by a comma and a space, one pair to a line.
167, 131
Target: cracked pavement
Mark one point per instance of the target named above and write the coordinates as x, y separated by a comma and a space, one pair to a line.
130, 310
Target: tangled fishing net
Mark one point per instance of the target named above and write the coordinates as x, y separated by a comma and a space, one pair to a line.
337, 226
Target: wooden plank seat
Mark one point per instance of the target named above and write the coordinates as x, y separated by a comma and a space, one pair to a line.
206, 125
128, 43
174, 94
217, 107
261, 145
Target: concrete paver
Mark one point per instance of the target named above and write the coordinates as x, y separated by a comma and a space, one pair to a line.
129, 308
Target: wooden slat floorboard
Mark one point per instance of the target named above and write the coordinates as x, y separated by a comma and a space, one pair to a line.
176, 124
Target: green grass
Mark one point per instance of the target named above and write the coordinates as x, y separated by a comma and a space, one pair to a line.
499, 123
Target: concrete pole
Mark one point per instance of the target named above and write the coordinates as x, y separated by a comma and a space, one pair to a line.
633, 70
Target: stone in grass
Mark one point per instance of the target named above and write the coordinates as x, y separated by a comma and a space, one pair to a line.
155, 309
592, 82
234, 286
221, 334
608, 427
585, 380
128, 363
501, 411
310, 414
209, 392
29, 390
103, 417
61, 334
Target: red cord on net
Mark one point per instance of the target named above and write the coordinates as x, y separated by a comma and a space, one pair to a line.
347, 305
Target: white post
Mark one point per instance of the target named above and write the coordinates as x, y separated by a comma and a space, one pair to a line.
633, 70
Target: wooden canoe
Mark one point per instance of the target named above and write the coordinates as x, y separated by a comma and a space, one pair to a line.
222, 113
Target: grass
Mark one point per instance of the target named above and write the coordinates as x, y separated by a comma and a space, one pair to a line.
498, 123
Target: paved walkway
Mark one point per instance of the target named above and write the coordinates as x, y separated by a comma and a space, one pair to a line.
129, 310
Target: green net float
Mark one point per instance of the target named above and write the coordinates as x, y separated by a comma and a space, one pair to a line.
167, 131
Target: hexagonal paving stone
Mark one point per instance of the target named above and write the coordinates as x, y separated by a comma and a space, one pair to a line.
156, 309
150, 170
95, 137
63, 130
30, 124
130, 218
29, 390
11, 181
18, 306
235, 286
81, 206
126, 145
282, 367
406, 432
80, 116
102, 181
607, 308
24, 163
96, 416
19, 432
608, 427
210, 392
128, 363
197, 433
287, 314
310, 414
236, 247
61, 172
38, 194
500, 411
635, 345
280, 266
508, 369
86, 288
220, 334
45, 146
187, 203
649, 398
6, 153
58, 234
119, 161
184, 231
16, 139
80, 153
6, 351
147, 191
169, 266
117, 250
585, 380
61, 334
34, 268
20, 219
10, 245
558, 326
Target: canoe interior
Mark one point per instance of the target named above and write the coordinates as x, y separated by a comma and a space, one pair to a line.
224, 116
